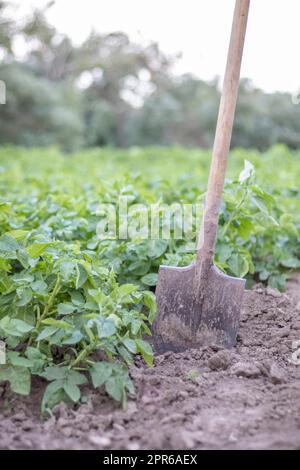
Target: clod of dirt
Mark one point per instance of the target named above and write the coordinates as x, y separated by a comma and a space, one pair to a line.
171, 411
219, 361
282, 332
277, 375
246, 369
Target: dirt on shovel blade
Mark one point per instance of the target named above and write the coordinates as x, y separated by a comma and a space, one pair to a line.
246, 398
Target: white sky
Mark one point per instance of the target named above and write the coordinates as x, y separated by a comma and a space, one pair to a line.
199, 29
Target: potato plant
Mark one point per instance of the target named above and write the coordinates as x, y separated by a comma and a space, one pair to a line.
75, 309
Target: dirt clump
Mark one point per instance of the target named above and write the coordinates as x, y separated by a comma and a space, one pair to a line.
219, 361
246, 398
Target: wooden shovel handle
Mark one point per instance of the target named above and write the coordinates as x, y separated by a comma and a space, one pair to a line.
209, 226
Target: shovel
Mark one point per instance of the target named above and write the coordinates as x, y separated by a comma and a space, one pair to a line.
198, 305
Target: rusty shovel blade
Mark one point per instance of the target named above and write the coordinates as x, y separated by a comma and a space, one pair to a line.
187, 320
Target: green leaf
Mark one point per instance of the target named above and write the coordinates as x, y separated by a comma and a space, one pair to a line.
18, 234
126, 289
54, 394
15, 327
106, 327
47, 333
139, 268
115, 388
136, 326
290, 262
157, 248
238, 265
37, 249
150, 279
224, 252
37, 358
8, 247
77, 298
15, 359
55, 373
145, 350
25, 296
72, 390
81, 277
65, 309
57, 323
76, 377
39, 287
74, 338
150, 302
100, 373
130, 345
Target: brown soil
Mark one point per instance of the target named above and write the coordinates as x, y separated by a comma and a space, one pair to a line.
247, 398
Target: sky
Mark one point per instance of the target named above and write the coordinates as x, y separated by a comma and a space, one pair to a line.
199, 30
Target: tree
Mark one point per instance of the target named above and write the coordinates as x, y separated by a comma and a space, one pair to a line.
36, 112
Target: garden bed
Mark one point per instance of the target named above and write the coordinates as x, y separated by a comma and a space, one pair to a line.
246, 398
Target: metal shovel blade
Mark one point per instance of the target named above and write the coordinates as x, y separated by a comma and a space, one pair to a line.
187, 320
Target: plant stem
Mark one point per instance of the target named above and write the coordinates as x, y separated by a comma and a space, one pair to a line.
51, 298
45, 313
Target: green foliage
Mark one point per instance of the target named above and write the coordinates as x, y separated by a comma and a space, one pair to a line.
66, 294
109, 90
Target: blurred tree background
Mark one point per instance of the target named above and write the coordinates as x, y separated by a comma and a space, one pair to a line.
111, 91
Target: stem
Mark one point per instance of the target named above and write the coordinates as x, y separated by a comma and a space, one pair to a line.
81, 356
45, 313
51, 298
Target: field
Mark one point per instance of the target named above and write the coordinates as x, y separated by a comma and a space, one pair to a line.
75, 308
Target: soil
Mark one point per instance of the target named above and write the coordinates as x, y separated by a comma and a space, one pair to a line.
245, 398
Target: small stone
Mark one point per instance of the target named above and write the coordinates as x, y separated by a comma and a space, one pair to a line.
100, 441
276, 374
246, 369
219, 361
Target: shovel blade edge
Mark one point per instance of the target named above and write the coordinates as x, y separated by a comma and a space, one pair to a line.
186, 320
